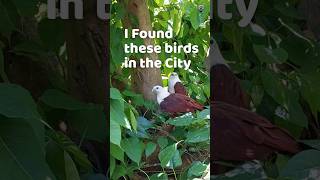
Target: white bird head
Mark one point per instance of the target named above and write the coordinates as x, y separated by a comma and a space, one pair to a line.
214, 56
161, 93
173, 79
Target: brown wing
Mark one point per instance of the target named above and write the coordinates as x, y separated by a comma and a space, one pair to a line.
241, 135
180, 89
225, 87
176, 104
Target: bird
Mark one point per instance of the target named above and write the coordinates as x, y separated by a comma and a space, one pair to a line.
225, 86
241, 135
175, 104
175, 85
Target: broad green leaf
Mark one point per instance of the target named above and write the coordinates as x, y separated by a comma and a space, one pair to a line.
60, 143
112, 165
90, 123
70, 168
197, 136
52, 33
176, 161
167, 154
269, 56
117, 113
312, 143
16, 102
184, 120
120, 171
272, 85
162, 141
197, 169
133, 120
205, 114
150, 148
29, 48
133, 147
21, 154
26, 8
115, 94
116, 152
159, 2
115, 132
302, 165
296, 113
159, 176
57, 99
177, 17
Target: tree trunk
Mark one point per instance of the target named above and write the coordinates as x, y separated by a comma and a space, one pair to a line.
86, 47
144, 79
87, 71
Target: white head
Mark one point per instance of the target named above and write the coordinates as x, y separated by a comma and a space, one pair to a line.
173, 79
214, 56
160, 92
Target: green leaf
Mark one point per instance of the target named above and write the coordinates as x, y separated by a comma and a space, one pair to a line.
71, 169
301, 165
269, 56
133, 148
315, 143
184, 120
59, 100
197, 136
150, 148
120, 171
116, 152
115, 132
26, 8
29, 48
90, 123
296, 113
177, 17
205, 114
167, 154
16, 102
159, 176
273, 86
21, 154
162, 141
117, 113
115, 94
176, 161
52, 33
3, 74
60, 143
197, 169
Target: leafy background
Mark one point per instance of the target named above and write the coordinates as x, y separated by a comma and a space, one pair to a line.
45, 132
141, 147
277, 59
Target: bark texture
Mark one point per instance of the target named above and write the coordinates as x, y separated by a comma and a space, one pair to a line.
144, 79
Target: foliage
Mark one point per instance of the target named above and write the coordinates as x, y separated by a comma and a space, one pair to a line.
278, 64
134, 132
31, 144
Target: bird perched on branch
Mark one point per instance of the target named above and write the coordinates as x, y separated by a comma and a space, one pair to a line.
175, 85
175, 104
225, 86
242, 135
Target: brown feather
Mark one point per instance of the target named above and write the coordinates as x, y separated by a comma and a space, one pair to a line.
225, 87
176, 104
180, 89
252, 136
